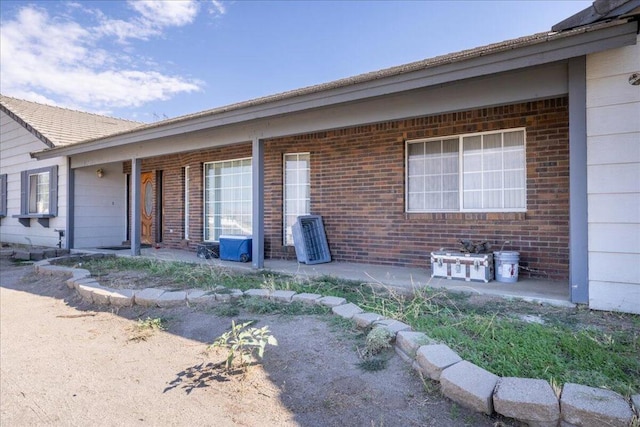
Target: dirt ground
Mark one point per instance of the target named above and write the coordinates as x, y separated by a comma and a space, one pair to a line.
64, 362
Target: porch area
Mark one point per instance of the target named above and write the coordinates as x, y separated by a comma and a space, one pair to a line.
399, 278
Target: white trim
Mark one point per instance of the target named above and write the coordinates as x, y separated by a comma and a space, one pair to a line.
284, 192
204, 190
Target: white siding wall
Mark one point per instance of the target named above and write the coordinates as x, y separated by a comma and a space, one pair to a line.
613, 181
15, 145
100, 206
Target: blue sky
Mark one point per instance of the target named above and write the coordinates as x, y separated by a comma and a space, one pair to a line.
149, 60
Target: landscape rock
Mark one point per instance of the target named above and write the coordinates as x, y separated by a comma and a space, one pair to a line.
530, 400
122, 297
435, 358
36, 255
635, 400
391, 325
331, 301
200, 296
21, 255
469, 385
409, 342
346, 311
101, 296
307, 298
593, 407
260, 293
364, 320
53, 270
148, 297
282, 296
231, 295
49, 253
86, 290
6, 253
172, 299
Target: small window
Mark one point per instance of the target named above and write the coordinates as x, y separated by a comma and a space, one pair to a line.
39, 192
3, 195
483, 172
297, 191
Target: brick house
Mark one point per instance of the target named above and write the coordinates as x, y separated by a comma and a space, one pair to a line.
530, 141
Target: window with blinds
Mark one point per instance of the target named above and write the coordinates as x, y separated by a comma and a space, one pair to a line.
227, 198
297, 191
482, 172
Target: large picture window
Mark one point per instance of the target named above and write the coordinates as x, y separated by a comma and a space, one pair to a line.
297, 188
39, 192
227, 198
482, 172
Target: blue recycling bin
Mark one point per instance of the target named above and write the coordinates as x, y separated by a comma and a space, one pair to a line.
235, 248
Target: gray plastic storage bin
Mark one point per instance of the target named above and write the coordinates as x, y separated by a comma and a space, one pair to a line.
310, 240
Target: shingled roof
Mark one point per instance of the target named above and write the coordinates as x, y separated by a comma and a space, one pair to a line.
58, 127
599, 11
452, 58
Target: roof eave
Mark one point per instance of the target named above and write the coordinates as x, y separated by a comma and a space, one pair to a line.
555, 48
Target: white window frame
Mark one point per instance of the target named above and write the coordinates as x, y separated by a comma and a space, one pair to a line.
461, 171
213, 235
287, 235
27, 196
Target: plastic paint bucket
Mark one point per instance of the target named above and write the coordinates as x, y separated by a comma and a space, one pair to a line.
506, 266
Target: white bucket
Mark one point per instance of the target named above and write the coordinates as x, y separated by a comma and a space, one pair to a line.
506, 266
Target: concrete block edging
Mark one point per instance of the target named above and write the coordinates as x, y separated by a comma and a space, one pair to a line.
458, 391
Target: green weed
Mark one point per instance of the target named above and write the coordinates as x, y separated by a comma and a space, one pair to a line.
243, 342
144, 329
571, 346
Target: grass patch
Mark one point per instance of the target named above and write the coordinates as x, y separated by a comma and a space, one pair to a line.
373, 364
184, 275
144, 329
596, 349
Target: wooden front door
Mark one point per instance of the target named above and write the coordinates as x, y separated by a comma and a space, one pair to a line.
146, 216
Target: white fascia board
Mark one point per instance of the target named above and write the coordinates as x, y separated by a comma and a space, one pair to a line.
542, 52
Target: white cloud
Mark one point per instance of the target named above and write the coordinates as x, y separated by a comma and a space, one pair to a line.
154, 16
45, 58
166, 13
217, 8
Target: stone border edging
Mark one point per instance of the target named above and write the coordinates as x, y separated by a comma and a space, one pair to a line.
532, 401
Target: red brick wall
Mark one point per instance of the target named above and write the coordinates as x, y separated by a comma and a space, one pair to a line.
358, 186
173, 190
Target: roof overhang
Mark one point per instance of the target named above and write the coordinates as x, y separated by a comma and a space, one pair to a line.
532, 52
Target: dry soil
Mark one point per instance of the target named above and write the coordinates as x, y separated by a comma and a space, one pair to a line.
64, 362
